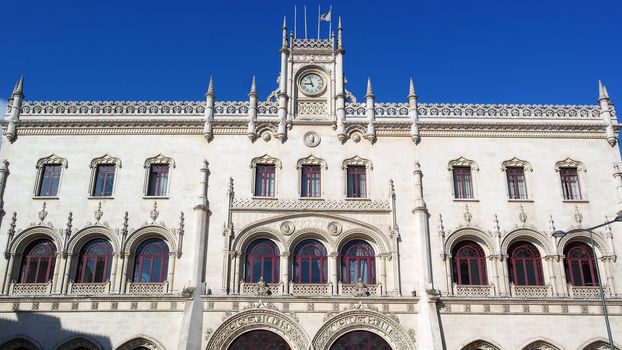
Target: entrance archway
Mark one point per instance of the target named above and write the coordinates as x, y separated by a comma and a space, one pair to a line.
360, 340
259, 340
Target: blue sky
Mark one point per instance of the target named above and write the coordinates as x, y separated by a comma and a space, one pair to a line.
528, 51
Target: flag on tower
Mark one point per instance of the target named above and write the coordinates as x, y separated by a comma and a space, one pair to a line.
326, 16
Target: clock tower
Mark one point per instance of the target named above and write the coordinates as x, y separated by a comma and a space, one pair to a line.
312, 77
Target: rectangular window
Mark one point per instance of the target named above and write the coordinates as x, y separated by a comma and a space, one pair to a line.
264, 180
570, 183
50, 178
356, 182
310, 184
104, 180
516, 183
158, 180
463, 186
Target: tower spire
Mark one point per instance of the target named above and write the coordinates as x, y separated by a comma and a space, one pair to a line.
370, 90
413, 113
19, 87
253, 87
284, 35
411, 90
602, 91
339, 35
210, 88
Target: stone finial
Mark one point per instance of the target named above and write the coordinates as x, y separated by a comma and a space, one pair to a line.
126, 219
551, 223
370, 90
578, 217
19, 87
522, 216
467, 215
253, 91
210, 88
496, 225
441, 226
602, 91
284, 22
411, 89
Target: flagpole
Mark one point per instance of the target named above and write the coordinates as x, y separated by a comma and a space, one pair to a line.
305, 21
330, 23
319, 13
295, 15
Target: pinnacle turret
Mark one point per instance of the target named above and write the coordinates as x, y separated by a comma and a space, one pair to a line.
370, 90
19, 87
253, 91
411, 90
210, 88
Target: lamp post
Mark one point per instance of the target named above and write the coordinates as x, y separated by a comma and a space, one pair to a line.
560, 234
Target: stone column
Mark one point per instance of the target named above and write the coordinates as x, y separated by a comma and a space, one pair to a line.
447, 261
124, 272
68, 267
55, 275
608, 263
9, 273
495, 260
171, 270
332, 270
236, 273
285, 271
550, 262
559, 262
113, 275
383, 272
4, 172
506, 274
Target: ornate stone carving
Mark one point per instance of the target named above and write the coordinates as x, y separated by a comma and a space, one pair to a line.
296, 205
106, 159
98, 213
159, 159
140, 343
516, 163
287, 228
479, 345
311, 160
462, 162
540, 345
334, 228
312, 109
52, 159
311, 139
570, 163
262, 288
265, 159
42, 214
154, 213
363, 319
259, 318
356, 160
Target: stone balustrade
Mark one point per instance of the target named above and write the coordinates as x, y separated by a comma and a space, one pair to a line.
26, 289
478, 291
88, 288
147, 288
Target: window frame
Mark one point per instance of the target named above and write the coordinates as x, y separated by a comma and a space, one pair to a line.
51, 160
570, 277
95, 163
27, 258
372, 272
263, 161
160, 159
536, 260
108, 261
275, 261
139, 259
569, 163
480, 260
357, 161
463, 163
297, 262
526, 167
311, 161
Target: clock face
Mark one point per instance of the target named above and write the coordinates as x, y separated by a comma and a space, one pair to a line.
312, 83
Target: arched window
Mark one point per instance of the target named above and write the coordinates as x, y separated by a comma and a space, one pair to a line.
525, 265
151, 263
362, 340
310, 262
38, 262
262, 260
358, 261
259, 340
469, 264
579, 263
95, 262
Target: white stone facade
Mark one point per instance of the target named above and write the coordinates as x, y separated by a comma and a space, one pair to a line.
208, 215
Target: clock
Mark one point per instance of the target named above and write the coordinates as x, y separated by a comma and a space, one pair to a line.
312, 84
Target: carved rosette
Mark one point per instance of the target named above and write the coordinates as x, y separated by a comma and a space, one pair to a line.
287, 228
363, 319
334, 228
260, 318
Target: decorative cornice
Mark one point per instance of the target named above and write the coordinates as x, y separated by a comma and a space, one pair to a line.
569, 163
310, 205
516, 163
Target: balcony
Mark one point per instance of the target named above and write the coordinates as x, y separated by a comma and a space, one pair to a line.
88, 288
146, 288
474, 291
28, 289
531, 291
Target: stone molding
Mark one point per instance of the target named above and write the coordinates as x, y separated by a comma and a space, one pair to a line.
141, 341
266, 159
52, 159
150, 231
516, 163
106, 159
480, 345
255, 319
462, 162
356, 160
373, 321
312, 160
570, 163
159, 159
310, 205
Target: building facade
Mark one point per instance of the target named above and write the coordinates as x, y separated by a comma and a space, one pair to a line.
307, 219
